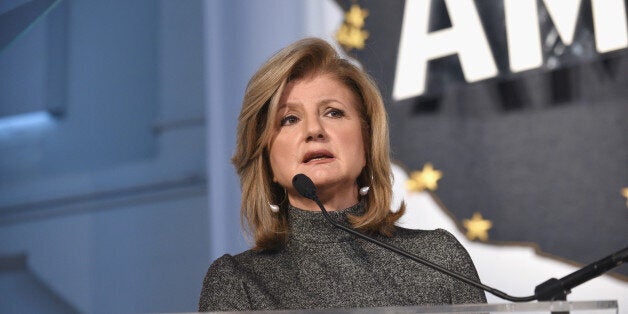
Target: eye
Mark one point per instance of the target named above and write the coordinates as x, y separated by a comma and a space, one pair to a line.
335, 113
289, 120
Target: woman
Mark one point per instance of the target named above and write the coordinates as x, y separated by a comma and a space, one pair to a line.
308, 111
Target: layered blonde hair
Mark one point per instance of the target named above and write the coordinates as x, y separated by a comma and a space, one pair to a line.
256, 127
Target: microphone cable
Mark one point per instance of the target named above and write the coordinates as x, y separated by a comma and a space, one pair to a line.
307, 189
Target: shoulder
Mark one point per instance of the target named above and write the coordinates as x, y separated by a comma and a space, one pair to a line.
223, 285
225, 265
220, 275
229, 267
436, 236
238, 282
438, 243
441, 247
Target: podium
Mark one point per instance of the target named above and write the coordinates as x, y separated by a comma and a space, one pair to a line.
577, 307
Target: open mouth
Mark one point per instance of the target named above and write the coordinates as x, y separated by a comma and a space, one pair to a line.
317, 155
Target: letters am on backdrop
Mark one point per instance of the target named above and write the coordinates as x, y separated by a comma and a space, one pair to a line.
516, 110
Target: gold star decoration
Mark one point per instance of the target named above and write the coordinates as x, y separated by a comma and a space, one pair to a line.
356, 16
477, 227
424, 179
624, 192
351, 35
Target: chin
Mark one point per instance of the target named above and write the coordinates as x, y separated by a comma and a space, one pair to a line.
325, 180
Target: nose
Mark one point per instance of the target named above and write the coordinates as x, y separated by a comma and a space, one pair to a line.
314, 130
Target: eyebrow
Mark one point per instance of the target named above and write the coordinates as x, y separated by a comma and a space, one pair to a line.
321, 102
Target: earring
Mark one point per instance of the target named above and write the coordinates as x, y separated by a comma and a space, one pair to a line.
364, 190
273, 208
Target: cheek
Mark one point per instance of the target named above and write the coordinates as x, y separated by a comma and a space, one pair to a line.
279, 154
275, 160
362, 153
355, 148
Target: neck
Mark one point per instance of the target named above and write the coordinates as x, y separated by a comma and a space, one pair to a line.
332, 198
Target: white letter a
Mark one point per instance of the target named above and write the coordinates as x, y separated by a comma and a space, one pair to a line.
416, 46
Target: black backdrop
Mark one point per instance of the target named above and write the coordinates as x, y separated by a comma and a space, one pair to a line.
543, 154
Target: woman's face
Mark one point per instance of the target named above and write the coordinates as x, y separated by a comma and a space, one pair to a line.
318, 132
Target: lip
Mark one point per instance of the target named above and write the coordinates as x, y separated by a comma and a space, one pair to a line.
313, 156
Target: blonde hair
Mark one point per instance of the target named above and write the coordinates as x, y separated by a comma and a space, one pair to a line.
255, 130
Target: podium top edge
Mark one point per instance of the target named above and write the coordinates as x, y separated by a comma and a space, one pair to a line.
546, 306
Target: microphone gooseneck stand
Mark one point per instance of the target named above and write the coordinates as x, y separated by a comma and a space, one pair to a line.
558, 289
553, 289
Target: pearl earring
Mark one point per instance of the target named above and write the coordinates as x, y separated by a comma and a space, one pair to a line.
273, 208
364, 190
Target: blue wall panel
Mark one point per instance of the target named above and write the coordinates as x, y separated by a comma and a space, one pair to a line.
109, 201
121, 202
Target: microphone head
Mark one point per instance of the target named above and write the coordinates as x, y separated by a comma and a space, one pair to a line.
304, 185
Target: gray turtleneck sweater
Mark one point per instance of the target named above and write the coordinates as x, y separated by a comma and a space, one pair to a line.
324, 267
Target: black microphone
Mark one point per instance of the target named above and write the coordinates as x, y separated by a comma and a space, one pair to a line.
553, 289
